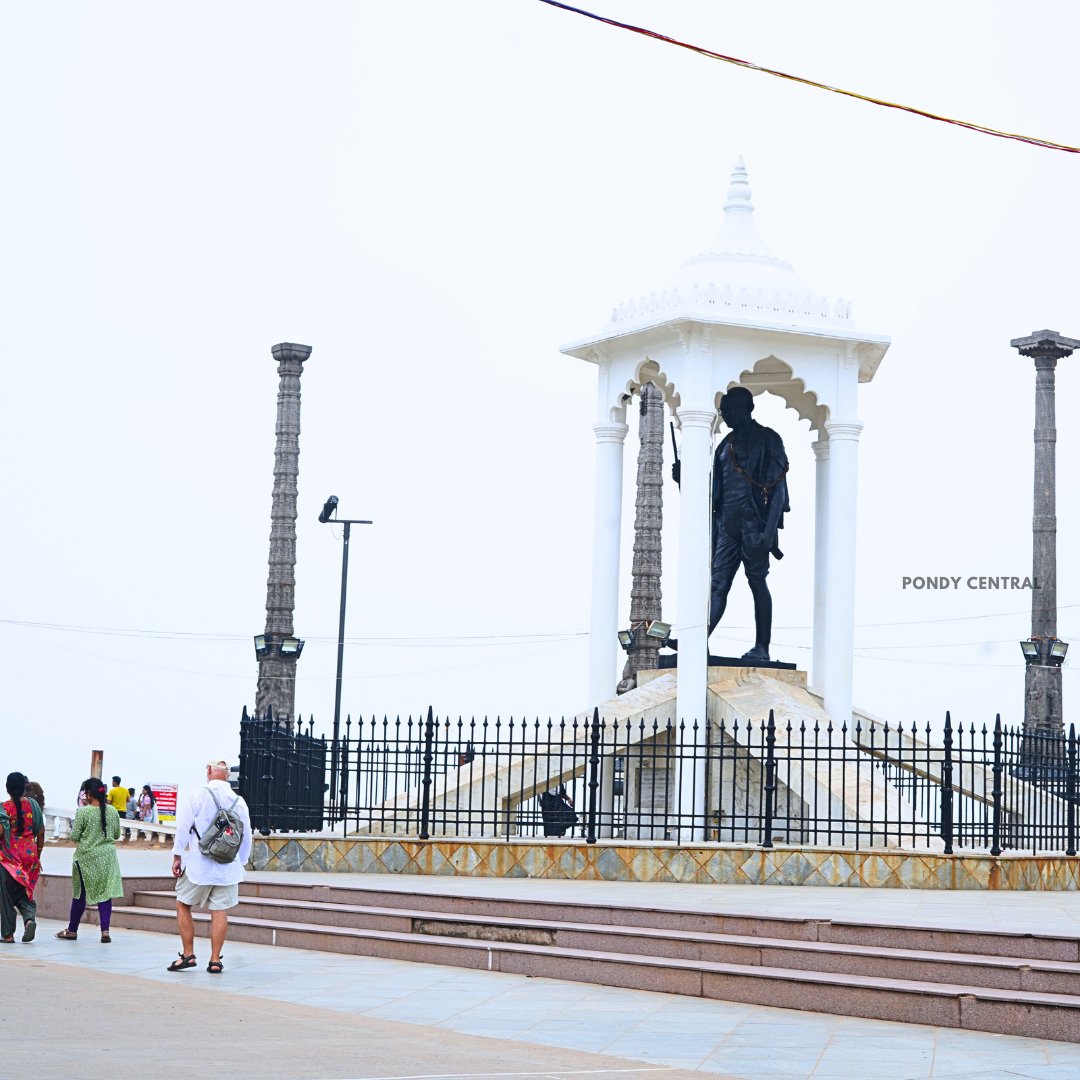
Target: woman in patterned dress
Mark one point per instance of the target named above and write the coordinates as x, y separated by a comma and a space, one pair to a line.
147, 803
145, 806
23, 829
95, 869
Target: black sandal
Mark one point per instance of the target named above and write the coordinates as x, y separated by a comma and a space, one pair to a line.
67, 935
183, 962
215, 967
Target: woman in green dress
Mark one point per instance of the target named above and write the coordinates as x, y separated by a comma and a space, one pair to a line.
95, 869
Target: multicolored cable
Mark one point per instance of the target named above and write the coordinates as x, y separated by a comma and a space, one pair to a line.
810, 82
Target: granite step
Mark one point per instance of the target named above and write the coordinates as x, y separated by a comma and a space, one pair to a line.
980, 941
1008, 973
1000, 1010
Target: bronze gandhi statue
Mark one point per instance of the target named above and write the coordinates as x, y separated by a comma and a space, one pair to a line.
749, 500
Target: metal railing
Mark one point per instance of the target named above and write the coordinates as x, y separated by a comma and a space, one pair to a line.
746, 782
282, 774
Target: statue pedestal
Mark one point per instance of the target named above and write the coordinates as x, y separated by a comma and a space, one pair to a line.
672, 661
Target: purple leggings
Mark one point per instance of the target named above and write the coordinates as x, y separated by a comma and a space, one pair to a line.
78, 906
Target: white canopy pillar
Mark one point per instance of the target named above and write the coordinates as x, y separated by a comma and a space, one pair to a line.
607, 527
840, 561
821, 549
693, 600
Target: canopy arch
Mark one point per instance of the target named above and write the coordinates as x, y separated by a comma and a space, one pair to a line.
775, 376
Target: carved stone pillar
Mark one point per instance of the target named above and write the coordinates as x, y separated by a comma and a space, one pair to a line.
277, 669
1042, 697
645, 591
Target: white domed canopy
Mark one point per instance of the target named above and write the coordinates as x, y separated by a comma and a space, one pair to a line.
738, 277
735, 315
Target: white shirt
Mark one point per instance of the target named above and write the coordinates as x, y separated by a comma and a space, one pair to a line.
197, 808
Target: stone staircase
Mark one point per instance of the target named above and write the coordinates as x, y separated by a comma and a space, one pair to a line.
984, 980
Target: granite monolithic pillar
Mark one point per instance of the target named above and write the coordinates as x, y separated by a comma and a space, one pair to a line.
648, 521
1042, 690
277, 659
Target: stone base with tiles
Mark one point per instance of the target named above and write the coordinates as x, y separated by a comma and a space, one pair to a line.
704, 864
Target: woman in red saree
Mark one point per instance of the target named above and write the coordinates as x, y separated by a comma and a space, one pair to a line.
23, 832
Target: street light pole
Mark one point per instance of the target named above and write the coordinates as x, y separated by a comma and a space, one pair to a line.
329, 509
341, 626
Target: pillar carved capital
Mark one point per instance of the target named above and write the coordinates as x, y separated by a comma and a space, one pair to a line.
821, 449
1045, 347
689, 417
290, 357
610, 433
844, 429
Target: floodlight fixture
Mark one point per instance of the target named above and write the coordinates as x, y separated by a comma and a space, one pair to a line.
261, 648
291, 646
329, 507
659, 631
1030, 649
1058, 649
627, 639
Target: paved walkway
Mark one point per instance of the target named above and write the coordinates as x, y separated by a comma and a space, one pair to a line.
63, 1023
692, 1034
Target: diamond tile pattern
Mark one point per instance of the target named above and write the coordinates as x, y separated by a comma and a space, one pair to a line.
706, 864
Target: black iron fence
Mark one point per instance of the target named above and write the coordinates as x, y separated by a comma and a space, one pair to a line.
282, 774
735, 781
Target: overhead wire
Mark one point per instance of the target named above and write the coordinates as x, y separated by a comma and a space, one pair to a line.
442, 639
462, 641
299, 678
980, 128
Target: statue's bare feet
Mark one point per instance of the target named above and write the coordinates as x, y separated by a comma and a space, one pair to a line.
757, 654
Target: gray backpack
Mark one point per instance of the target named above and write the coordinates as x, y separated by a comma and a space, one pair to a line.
221, 841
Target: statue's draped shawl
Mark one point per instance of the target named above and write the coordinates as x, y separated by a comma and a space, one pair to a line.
767, 464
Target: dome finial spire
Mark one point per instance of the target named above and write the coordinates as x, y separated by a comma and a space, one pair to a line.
738, 196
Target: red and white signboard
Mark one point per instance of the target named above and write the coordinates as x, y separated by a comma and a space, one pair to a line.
165, 796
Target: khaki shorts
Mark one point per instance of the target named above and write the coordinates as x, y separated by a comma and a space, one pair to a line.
211, 897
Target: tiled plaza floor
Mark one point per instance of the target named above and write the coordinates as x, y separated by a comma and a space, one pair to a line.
751, 1042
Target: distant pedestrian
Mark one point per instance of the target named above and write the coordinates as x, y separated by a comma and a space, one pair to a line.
23, 827
118, 797
95, 869
213, 842
147, 804
33, 791
130, 813
557, 811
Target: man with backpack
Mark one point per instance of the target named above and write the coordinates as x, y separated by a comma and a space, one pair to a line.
213, 842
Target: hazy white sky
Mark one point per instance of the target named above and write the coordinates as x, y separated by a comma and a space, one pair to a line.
435, 196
